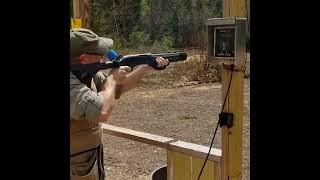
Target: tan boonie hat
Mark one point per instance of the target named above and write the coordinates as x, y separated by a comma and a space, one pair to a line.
84, 41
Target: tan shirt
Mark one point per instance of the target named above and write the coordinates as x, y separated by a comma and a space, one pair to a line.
85, 103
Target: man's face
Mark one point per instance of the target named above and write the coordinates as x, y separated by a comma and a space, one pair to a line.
88, 59
91, 58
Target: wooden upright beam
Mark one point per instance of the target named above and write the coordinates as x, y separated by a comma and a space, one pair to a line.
81, 10
85, 13
232, 137
76, 9
182, 166
234, 8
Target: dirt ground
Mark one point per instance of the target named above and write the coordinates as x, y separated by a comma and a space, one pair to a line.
187, 113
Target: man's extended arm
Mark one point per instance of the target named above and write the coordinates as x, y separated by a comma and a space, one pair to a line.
133, 78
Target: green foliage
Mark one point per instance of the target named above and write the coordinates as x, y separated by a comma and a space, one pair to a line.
167, 42
138, 39
144, 20
156, 46
157, 24
119, 43
215, 7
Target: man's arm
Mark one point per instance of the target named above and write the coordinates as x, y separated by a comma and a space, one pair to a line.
88, 104
129, 83
108, 94
133, 78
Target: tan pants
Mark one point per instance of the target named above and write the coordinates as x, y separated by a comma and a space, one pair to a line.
87, 165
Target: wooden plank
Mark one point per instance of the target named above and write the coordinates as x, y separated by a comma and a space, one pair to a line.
232, 137
217, 170
76, 9
163, 142
184, 160
235, 132
240, 8
224, 163
178, 166
186, 167
195, 150
208, 171
85, 13
234, 8
146, 138
243, 9
226, 10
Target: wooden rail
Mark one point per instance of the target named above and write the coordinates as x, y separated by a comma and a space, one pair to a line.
184, 159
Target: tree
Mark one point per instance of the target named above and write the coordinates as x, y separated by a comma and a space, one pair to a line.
180, 23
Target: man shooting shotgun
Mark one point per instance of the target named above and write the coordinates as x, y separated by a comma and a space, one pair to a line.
93, 94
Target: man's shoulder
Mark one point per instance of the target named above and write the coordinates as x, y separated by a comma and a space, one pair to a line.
76, 85
72, 76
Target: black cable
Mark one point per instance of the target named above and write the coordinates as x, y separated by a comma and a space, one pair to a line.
215, 131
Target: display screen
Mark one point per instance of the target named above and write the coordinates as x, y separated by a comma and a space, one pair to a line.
224, 42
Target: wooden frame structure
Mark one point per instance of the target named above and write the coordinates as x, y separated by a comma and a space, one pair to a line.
184, 159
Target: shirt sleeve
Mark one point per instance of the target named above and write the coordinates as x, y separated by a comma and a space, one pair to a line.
99, 80
84, 103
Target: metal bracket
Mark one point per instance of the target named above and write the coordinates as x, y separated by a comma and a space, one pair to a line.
226, 119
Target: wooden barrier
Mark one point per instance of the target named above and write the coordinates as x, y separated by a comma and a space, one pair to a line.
184, 159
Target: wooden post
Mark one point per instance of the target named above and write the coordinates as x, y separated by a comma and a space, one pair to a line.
234, 8
76, 9
85, 13
81, 10
232, 137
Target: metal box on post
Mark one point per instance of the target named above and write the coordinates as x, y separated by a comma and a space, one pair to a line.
226, 40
